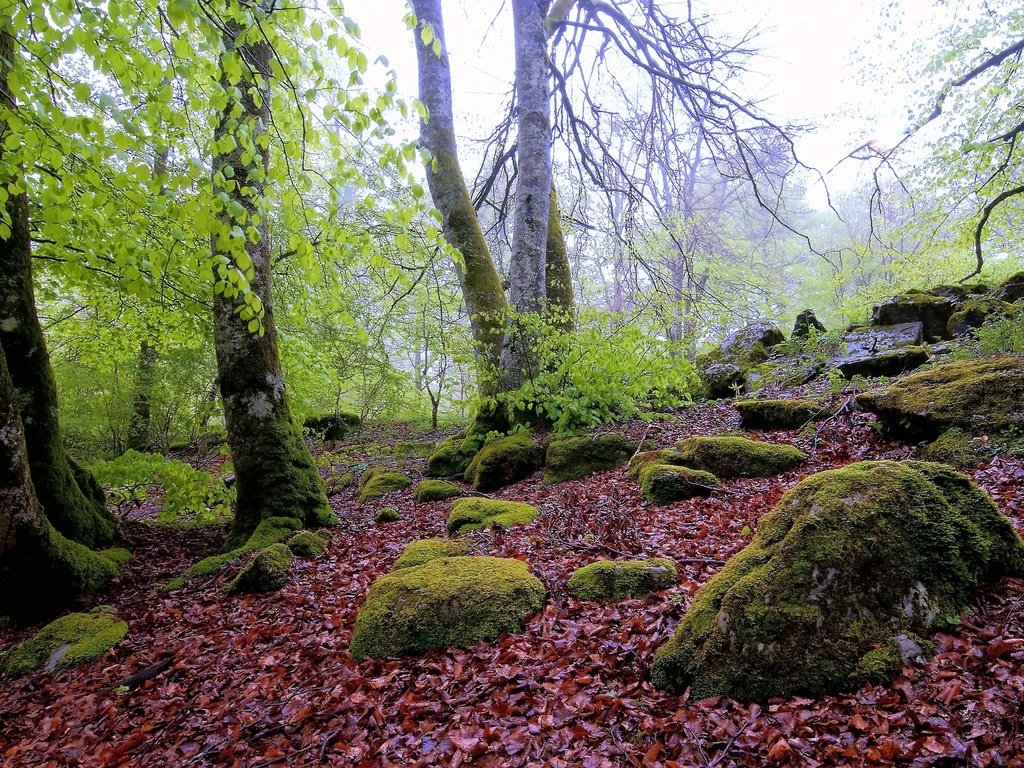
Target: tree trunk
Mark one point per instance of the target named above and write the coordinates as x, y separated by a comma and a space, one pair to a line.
275, 474
481, 286
561, 302
76, 511
40, 570
140, 430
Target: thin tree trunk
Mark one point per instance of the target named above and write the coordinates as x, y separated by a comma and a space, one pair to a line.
275, 474
140, 430
70, 496
561, 302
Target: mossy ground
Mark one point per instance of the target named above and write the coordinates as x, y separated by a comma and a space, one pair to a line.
452, 456
956, 448
474, 514
503, 461
608, 581
71, 640
269, 531
425, 550
435, 490
736, 456
577, 457
117, 555
777, 414
665, 483
447, 602
377, 481
266, 572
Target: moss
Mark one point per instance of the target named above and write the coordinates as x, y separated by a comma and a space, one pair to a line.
451, 601
71, 640
117, 555
777, 414
956, 448
332, 426
503, 461
269, 531
975, 395
578, 457
453, 455
880, 665
736, 456
387, 515
307, 544
975, 312
665, 483
848, 559
435, 490
335, 484
932, 311
473, 514
425, 550
608, 581
176, 583
377, 481
412, 448
642, 459
266, 572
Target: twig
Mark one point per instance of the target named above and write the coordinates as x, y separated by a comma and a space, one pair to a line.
754, 714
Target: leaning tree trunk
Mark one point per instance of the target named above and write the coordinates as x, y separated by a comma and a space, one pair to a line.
72, 500
481, 286
527, 265
561, 304
40, 570
275, 475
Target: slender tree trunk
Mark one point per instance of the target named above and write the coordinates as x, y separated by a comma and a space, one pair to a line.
275, 474
561, 302
72, 500
481, 286
140, 430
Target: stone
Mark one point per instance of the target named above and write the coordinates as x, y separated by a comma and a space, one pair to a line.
882, 350
723, 380
974, 313
666, 483
472, 514
933, 312
332, 426
608, 581
435, 490
73, 639
736, 456
266, 572
377, 481
805, 322
578, 457
503, 461
1012, 290
777, 414
742, 350
425, 550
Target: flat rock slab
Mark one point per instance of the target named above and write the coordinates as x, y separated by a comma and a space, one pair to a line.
884, 350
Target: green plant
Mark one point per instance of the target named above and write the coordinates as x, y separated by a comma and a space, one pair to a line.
1001, 336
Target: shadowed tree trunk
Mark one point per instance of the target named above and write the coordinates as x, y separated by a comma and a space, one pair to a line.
70, 497
561, 303
275, 474
140, 429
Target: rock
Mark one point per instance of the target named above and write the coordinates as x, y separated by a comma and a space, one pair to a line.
271, 530
728, 365
435, 490
453, 455
387, 515
842, 583
891, 362
1011, 291
307, 544
448, 602
882, 350
578, 457
377, 481
933, 312
777, 414
503, 461
640, 460
336, 483
425, 550
736, 456
332, 426
665, 483
474, 514
71, 640
608, 581
805, 321
723, 380
266, 572
956, 448
960, 292
973, 314
975, 395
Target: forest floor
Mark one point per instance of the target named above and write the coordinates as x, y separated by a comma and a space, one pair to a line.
268, 680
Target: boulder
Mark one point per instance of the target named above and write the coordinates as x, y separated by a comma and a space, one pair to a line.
332, 426
577, 457
975, 395
476, 513
736, 456
956, 448
722, 380
665, 483
1012, 290
387, 515
975, 312
727, 366
805, 322
608, 581
882, 350
377, 481
777, 414
266, 572
960, 292
503, 461
71, 640
453, 455
307, 544
841, 585
448, 602
435, 490
425, 550
933, 312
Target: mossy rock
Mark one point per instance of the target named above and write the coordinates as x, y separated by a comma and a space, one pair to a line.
425, 550
933, 312
412, 448
335, 484
503, 461
577, 457
608, 581
843, 577
806, 323
661, 456
975, 395
71, 640
721, 380
474, 514
736, 456
665, 483
332, 426
453, 455
1012, 290
117, 555
449, 602
377, 481
975, 313
777, 414
387, 515
435, 490
307, 544
266, 572
956, 448
270, 531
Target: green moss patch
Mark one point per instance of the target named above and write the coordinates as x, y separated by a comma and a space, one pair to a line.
665, 483
473, 514
777, 414
270, 531
609, 581
332, 426
448, 602
117, 555
387, 515
266, 572
503, 461
736, 456
377, 481
435, 490
452, 456
425, 550
847, 570
307, 544
578, 457
67, 642
956, 448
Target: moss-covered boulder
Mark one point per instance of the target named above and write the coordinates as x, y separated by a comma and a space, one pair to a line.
435, 490
665, 483
332, 426
975, 395
448, 602
736, 456
842, 583
307, 544
337, 482
721, 380
425, 550
1012, 290
474, 514
503, 461
71, 640
956, 448
805, 324
452, 456
608, 581
266, 572
387, 515
270, 531
377, 481
933, 312
975, 312
725, 369
577, 457
777, 414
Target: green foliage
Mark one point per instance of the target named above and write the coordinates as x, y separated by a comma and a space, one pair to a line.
1001, 336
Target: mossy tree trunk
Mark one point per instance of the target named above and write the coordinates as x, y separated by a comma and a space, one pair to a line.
140, 430
78, 514
561, 302
274, 472
40, 570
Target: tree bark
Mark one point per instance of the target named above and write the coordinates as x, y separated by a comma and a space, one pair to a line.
561, 303
140, 429
72, 500
275, 473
